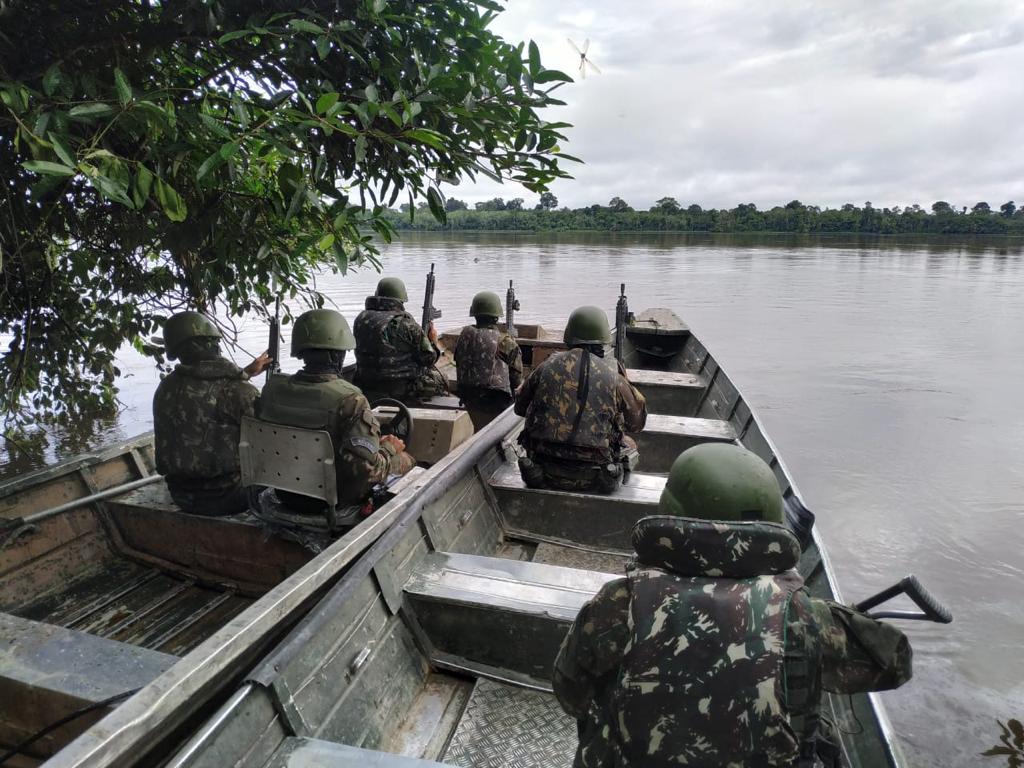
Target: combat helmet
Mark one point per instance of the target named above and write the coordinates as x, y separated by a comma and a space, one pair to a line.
183, 326
485, 303
587, 325
391, 288
721, 481
321, 329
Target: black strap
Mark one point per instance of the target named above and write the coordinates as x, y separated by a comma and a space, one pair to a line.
582, 392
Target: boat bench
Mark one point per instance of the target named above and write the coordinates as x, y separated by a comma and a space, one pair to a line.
665, 437
436, 431
47, 672
315, 753
668, 392
602, 521
505, 615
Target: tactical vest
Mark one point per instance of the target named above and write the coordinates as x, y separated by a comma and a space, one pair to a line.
293, 402
378, 357
477, 364
195, 433
573, 413
705, 678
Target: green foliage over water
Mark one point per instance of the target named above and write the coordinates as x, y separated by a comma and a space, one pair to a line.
668, 216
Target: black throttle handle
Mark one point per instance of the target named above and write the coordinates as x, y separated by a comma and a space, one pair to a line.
932, 609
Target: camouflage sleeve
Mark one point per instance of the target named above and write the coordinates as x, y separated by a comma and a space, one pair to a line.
632, 404
360, 452
240, 401
511, 355
413, 335
859, 653
593, 648
524, 395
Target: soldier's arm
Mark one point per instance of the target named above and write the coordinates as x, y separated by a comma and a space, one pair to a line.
240, 402
593, 648
361, 449
413, 335
632, 404
859, 653
524, 395
512, 356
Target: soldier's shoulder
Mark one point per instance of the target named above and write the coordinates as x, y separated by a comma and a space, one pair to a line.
507, 344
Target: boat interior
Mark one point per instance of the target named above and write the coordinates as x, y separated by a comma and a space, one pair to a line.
434, 647
437, 646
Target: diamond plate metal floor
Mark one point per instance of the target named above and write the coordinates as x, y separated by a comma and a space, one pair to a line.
506, 727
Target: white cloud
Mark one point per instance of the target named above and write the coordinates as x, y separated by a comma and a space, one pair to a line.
727, 101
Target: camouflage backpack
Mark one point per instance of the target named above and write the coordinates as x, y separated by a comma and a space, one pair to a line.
476, 360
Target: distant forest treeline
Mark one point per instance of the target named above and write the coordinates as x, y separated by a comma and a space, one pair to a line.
668, 215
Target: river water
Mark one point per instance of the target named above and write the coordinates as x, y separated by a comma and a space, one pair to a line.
888, 373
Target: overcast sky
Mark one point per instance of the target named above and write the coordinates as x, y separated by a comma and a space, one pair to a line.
720, 102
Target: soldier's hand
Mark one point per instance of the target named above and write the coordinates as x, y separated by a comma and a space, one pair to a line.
259, 365
432, 334
394, 442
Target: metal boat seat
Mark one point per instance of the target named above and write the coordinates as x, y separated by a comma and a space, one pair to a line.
668, 392
502, 616
596, 520
665, 437
291, 459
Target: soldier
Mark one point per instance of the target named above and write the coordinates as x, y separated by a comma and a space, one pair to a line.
317, 397
197, 417
394, 357
577, 408
488, 362
710, 652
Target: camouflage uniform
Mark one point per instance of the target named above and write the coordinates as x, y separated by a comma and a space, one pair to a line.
326, 401
575, 434
489, 367
394, 357
711, 652
197, 416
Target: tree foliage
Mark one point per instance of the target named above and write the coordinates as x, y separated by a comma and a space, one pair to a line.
210, 153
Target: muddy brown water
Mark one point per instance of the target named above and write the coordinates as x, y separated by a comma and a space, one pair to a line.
887, 371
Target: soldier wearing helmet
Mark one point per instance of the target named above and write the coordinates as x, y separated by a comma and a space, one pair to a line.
711, 652
197, 416
317, 397
394, 356
578, 406
488, 363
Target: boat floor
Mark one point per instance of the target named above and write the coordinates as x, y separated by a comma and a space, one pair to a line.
138, 604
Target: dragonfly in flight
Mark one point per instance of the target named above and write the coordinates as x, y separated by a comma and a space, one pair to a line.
585, 62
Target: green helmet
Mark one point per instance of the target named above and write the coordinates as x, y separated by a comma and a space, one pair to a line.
392, 288
485, 303
587, 325
321, 329
721, 481
184, 326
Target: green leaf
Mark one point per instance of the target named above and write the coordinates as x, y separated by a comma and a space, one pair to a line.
325, 242
64, 152
323, 46
173, 206
340, 257
211, 163
550, 75
234, 35
48, 169
143, 185
90, 111
301, 25
436, 204
326, 101
371, 93
534, 58
51, 80
361, 147
426, 136
297, 200
112, 189
124, 89
379, 6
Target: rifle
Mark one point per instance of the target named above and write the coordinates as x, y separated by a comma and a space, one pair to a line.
623, 317
430, 313
931, 609
511, 307
274, 347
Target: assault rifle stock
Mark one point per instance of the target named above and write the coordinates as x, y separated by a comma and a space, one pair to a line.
430, 312
511, 307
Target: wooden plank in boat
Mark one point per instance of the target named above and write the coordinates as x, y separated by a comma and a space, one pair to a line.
665, 437
668, 392
601, 521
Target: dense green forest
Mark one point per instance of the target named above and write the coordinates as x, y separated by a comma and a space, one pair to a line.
668, 215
